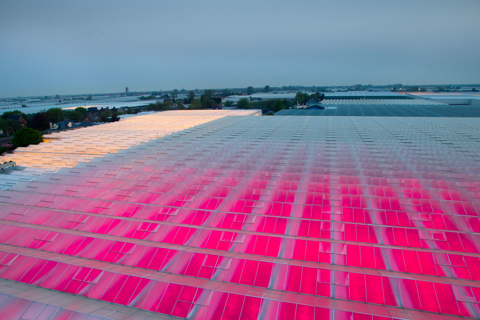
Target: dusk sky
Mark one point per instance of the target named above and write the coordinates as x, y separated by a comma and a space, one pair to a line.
53, 47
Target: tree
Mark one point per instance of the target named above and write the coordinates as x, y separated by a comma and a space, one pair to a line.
278, 106
106, 114
153, 106
299, 97
175, 93
180, 105
243, 104
168, 105
208, 93
249, 90
89, 98
15, 113
191, 95
26, 136
266, 89
76, 116
150, 97
212, 104
228, 103
41, 121
159, 106
10, 125
203, 100
82, 110
114, 117
55, 114
195, 104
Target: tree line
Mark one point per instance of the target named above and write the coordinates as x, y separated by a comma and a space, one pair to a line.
206, 101
274, 105
41, 120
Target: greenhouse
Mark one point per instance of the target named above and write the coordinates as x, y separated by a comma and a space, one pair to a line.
230, 215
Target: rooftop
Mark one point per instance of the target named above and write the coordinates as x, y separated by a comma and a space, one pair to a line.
366, 94
387, 110
222, 214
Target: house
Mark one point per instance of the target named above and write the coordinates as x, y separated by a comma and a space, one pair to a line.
312, 104
86, 119
93, 114
69, 125
12, 129
19, 119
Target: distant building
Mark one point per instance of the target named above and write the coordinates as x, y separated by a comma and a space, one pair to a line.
19, 119
87, 119
126, 90
182, 96
312, 104
68, 125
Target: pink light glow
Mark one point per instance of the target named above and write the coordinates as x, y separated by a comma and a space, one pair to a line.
209, 229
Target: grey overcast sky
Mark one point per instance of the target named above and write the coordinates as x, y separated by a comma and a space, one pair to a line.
52, 47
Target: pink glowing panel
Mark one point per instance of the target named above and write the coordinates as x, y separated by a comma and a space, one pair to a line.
351, 217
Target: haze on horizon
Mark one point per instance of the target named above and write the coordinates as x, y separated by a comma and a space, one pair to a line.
53, 47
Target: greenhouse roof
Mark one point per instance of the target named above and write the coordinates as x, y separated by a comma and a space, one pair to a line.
226, 215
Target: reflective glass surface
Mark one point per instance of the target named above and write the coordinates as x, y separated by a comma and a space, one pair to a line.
246, 217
